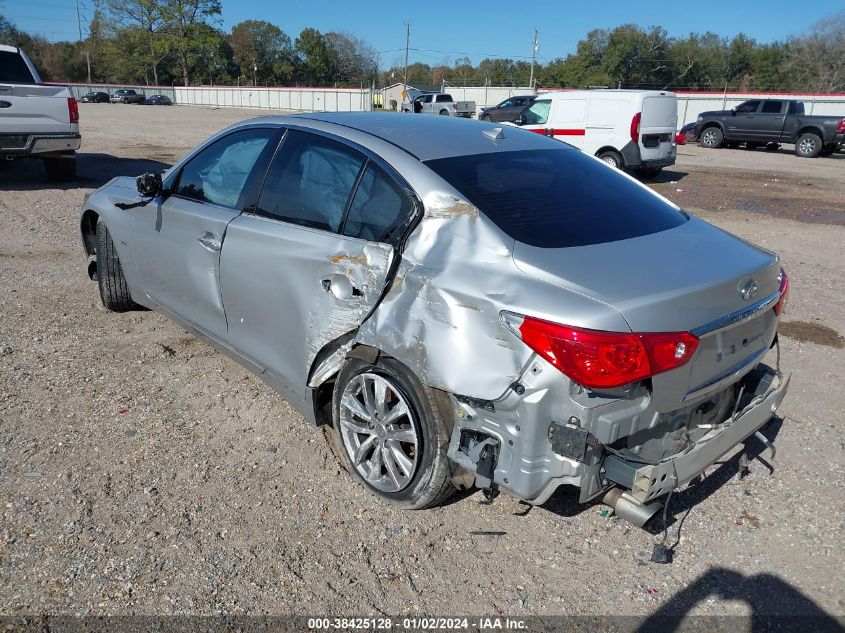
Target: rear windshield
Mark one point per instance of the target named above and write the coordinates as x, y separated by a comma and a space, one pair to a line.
13, 69
557, 198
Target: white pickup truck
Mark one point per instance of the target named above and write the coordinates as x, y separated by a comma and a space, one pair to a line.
36, 120
442, 104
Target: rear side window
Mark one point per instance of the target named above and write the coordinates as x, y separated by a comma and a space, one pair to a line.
557, 198
772, 107
13, 69
538, 113
379, 205
444, 98
219, 172
310, 181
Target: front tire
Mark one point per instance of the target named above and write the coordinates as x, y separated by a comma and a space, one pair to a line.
711, 138
808, 145
114, 292
391, 433
487, 117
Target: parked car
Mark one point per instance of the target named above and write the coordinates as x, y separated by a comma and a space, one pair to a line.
441, 104
158, 100
125, 95
631, 129
592, 334
687, 134
507, 110
95, 97
36, 120
761, 121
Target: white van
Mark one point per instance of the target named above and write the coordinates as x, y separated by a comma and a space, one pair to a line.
630, 129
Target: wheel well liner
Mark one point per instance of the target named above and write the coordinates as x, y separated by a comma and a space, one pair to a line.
809, 129
88, 227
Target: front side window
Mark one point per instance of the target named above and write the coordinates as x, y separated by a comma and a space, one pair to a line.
379, 206
219, 173
772, 107
747, 107
557, 198
509, 103
538, 113
427, 99
309, 181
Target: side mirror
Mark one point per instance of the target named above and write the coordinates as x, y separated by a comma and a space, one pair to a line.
149, 185
522, 120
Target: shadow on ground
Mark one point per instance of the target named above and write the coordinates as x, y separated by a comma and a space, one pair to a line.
775, 605
93, 170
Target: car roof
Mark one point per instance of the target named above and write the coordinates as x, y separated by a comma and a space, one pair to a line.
568, 94
426, 137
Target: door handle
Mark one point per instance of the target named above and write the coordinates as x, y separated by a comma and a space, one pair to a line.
341, 287
210, 243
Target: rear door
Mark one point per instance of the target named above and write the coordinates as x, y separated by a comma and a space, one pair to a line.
658, 122
176, 243
311, 262
766, 124
27, 106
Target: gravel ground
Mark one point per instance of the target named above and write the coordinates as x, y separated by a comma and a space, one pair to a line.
141, 472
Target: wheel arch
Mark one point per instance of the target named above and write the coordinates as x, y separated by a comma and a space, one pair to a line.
810, 129
610, 148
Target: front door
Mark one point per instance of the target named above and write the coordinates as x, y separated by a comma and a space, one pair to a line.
176, 243
311, 262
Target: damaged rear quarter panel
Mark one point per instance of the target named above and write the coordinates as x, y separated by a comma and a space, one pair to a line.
440, 315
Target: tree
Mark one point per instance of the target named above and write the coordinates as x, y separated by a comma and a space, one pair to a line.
144, 22
184, 20
355, 58
319, 59
257, 43
817, 60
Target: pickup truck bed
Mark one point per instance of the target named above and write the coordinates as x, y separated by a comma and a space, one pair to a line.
36, 120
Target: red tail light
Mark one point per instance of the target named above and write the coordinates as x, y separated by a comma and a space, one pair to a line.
607, 359
73, 110
840, 127
635, 127
784, 292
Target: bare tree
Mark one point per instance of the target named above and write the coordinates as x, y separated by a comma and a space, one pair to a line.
817, 60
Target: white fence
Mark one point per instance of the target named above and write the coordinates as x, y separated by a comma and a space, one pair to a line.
361, 99
291, 99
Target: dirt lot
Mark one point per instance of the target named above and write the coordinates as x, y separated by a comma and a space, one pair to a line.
141, 472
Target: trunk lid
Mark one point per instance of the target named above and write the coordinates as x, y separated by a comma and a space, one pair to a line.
688, 278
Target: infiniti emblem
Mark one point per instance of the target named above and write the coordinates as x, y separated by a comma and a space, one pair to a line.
749, 289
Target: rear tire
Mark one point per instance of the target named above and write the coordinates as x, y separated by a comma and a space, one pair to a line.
808, 145
444, 113
711, 138
612, 158
114, 293
60, 169
358, 431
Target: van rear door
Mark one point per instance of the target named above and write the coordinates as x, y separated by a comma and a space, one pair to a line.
657, 126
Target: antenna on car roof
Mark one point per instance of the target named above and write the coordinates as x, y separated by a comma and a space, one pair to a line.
496, 133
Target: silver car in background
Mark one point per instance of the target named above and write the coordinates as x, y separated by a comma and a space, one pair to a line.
460, 304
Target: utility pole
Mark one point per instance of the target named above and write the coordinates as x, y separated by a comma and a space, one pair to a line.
87, 53
407, 44
533, 57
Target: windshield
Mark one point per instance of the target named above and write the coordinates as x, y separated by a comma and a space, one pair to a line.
538, 112
557, 198
14, 69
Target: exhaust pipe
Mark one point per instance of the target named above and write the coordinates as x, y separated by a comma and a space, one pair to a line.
629, 508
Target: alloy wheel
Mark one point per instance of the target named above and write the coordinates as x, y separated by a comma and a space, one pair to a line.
806, 146
380, 432
708, 138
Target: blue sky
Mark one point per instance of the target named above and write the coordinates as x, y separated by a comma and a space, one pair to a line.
449, 30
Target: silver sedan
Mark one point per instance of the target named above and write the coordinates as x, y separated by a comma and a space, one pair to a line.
461, 304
